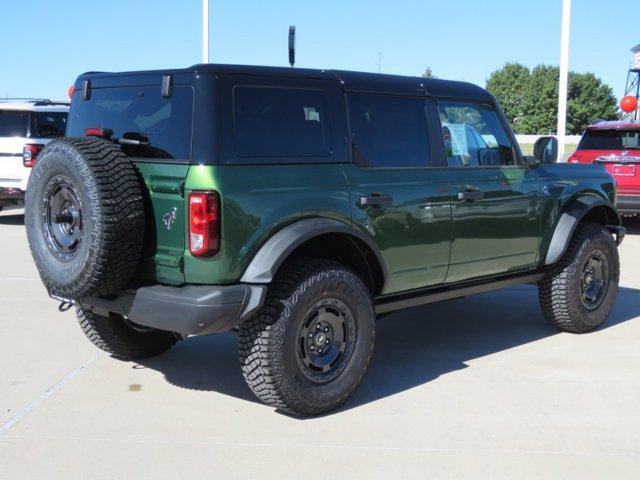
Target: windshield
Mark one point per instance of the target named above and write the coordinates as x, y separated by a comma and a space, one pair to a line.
14, 123
48, 124
610, 140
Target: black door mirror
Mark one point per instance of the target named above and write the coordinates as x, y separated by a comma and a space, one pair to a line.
545, 150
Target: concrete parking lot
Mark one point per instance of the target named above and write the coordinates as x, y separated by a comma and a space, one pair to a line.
479, 387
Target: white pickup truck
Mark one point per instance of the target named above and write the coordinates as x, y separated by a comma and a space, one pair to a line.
25, 127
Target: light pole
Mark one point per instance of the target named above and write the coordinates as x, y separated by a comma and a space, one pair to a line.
564, 77
205, 31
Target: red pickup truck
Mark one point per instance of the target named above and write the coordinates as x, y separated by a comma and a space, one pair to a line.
616, 145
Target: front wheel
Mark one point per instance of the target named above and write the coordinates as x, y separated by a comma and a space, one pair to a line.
577, 293
307, 349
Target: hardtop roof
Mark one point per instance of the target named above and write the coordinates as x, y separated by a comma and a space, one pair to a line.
614, 125
350, 81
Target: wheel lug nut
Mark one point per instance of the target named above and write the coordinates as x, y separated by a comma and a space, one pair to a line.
327, 341
311, 335
312, 347
326, 329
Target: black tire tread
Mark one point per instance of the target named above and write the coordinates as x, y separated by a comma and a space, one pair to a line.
113, 336
260, 337
119, 216
558, 304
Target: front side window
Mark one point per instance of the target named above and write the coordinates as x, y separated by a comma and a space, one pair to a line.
610, 140
161, 125
13, 123
388, 131
474, 136
280, 122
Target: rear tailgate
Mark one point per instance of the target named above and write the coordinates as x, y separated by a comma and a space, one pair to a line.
625, 169
162, 127
12, 173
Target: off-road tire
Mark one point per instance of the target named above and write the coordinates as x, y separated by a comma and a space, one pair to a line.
112, 211
113, 335
267, 342
560, 289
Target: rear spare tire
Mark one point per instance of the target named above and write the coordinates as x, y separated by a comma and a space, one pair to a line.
84, 216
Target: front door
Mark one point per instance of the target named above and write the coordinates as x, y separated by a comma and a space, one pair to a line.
397, 197
495, 198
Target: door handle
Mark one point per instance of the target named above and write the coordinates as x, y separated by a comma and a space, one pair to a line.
376, 200
470, 194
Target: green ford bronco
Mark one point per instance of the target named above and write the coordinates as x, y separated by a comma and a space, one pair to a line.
296, 206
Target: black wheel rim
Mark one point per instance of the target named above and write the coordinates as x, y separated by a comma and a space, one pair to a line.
325, 340
62, 217
594, 281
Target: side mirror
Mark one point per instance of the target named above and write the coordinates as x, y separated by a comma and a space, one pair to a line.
545, 150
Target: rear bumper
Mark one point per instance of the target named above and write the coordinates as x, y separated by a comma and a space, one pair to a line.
628, 203
188, 310
11, 196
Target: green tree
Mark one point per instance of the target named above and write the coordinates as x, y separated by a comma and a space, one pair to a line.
428, 73
540, 106
588, 99
530, 98
508, 85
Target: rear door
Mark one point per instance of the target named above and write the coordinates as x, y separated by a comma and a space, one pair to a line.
398, 196
165, 126
14, 125
495, 198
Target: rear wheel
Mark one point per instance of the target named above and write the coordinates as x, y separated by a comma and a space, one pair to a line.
307, 349
577, 293
123, 339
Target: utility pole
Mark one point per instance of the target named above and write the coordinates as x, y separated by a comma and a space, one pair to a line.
564, 77
379, 62
205, 31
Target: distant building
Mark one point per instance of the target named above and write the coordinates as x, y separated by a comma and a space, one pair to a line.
635, 58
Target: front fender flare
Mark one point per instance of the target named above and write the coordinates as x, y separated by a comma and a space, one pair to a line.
569, 220
275, 251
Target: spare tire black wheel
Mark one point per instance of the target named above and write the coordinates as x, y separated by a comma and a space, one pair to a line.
84, 215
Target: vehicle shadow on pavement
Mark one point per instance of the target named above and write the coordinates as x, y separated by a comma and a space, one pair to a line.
413, 347
12, 219
632, 224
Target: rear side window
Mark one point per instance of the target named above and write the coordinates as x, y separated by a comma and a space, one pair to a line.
48, 124
13, 123
388, 131
280, 122
610, 140
163, 125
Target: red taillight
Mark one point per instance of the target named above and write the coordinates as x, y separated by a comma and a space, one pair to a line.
70, 91
204, 223
573, 159
98, 132
30, 154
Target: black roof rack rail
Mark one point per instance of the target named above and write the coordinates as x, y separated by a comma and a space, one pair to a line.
37, 102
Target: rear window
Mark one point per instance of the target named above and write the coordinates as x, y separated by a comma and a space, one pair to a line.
280, 122
139, 113
13, 123
610, 140
48, 124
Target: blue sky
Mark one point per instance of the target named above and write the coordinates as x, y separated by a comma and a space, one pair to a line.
44, 45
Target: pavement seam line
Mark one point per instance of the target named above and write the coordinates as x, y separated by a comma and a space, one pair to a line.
66, 379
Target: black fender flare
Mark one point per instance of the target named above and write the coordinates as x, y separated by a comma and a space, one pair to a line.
275, 251
573, 213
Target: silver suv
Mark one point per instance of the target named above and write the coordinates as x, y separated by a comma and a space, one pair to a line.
26, 126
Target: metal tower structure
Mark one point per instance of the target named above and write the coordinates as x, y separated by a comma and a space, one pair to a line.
633, 81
